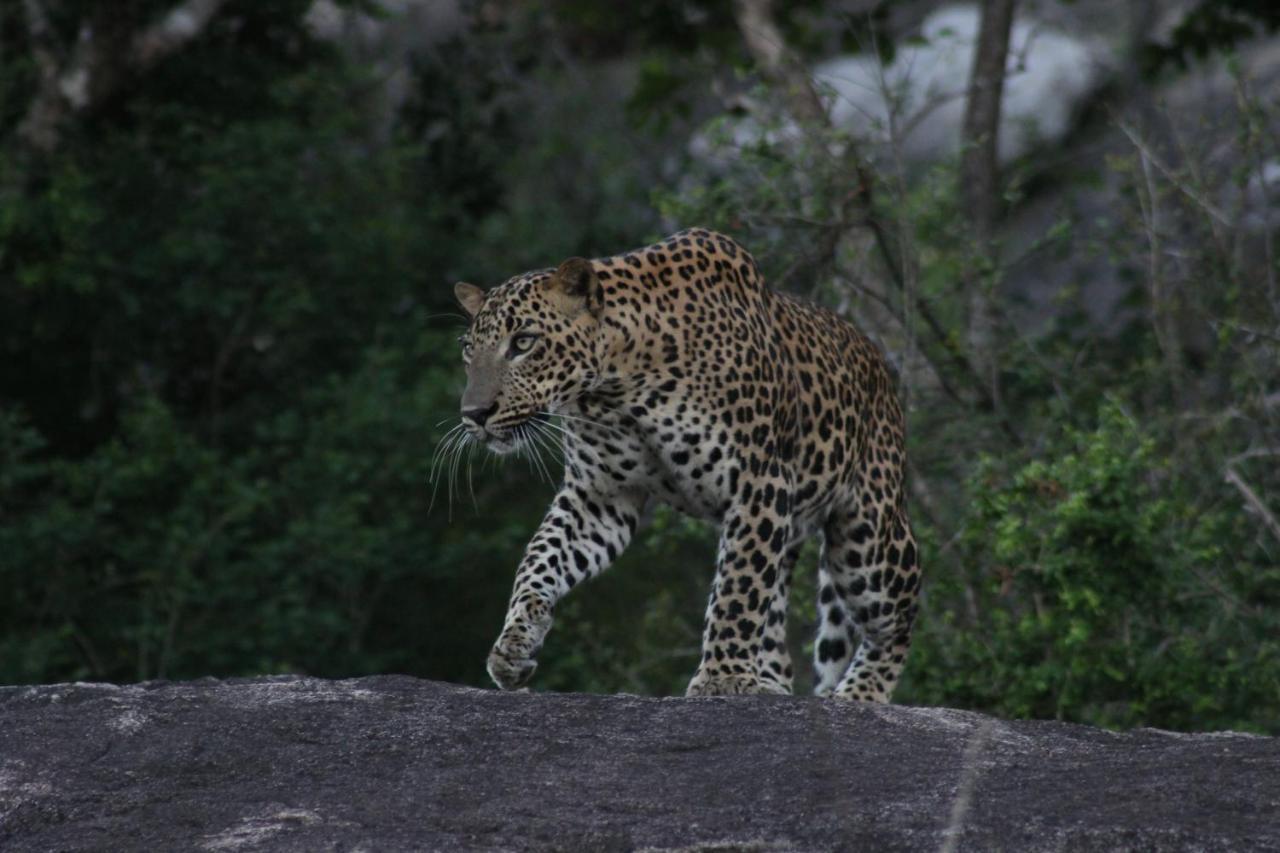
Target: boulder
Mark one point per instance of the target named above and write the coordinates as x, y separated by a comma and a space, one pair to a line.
396, 763
1050, 77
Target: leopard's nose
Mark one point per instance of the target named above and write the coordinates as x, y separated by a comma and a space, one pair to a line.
479, 415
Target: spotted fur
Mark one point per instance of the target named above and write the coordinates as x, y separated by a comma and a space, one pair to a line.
681, 377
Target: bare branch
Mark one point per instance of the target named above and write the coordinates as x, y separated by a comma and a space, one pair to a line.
38, 126
857, 208
769, 49
1187, 190
1256, 453
1255, 502
1162, 321
79, 79
172, 32
40, 33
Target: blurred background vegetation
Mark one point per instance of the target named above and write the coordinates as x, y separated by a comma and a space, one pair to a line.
228, 230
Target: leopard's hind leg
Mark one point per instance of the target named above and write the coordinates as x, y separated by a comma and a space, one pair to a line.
871, 566
836, 638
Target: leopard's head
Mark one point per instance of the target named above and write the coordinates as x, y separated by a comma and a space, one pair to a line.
530, 349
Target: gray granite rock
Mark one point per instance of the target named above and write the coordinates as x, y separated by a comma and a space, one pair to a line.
395, 763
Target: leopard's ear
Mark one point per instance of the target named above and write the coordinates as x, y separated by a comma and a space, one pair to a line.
469, 297
576, 287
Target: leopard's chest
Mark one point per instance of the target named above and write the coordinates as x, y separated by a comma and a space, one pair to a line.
675, 454
689, 447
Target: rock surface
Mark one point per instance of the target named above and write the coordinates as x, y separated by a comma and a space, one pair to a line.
393, 763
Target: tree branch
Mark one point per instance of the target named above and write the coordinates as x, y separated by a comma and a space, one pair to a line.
38, 126
1254, 502
783, 68
769, 49
104, 56
172, 32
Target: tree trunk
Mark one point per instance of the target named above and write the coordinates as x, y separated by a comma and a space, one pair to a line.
980, 175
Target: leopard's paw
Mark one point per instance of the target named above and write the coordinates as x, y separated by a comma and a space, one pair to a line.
510, 671
725, 684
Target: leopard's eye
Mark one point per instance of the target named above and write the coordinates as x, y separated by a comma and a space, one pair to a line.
466, 349
521, 344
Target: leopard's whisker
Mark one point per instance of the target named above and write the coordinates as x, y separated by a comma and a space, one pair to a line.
471, 452
443, 474
531, 450
465, 449
564, 433
455, 458
535, 449
440, 445
524, 450
539, 444
453, 435
554, 436
438, 460
587, 421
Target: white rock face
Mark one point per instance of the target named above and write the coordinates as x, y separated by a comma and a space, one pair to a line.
1050, 76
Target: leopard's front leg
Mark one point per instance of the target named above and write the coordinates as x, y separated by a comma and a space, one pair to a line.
580, 536
754, 541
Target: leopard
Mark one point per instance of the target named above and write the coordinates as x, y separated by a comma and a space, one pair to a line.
674, 375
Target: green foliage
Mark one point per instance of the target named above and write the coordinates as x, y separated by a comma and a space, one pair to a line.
226, 366
1084, 587
158, 555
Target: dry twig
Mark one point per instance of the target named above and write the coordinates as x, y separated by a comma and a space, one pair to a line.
1255, 503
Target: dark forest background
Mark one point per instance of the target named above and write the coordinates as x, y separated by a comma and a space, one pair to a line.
228, 235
